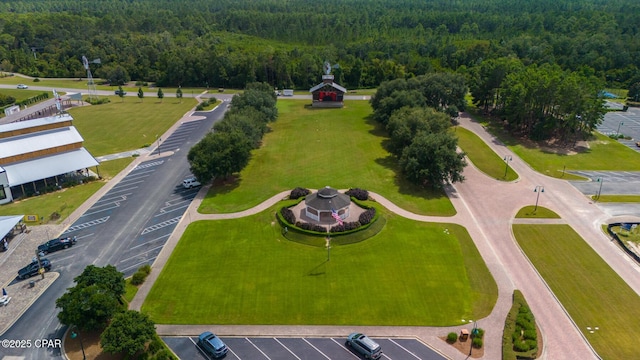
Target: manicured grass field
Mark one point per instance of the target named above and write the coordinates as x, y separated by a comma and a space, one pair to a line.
129, 125
65, 201
483, 157
313, 148
243, 271
593, 294
597, 156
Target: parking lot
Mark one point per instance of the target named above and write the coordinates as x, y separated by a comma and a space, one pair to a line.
244, 348
625, 123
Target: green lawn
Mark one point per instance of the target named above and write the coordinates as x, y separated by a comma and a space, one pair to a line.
313, 148
617, 198
597, 155
483, 157
129, 125
530, 212
593, 294
65, 201
243, 271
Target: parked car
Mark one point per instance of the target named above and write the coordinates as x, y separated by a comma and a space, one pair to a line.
364, 345
117, 92
211, 345
22, 86
32, 269
190, 182
56, 244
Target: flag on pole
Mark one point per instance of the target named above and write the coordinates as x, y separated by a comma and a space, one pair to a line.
335, 215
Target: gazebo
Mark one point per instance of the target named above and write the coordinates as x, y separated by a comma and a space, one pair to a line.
320, 205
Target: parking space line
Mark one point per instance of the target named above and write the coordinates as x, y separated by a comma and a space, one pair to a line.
234, 354
318, 350
125, 182
161, 225
142, 253
102, 210
148, 164
150, 241
164, 212
289, 350
257, 348
109, 200
345, 348
87, 224
145, 172
64, 258
116, 190
405, 349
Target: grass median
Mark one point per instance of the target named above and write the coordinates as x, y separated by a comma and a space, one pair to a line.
314, 148
591, 292
242, 271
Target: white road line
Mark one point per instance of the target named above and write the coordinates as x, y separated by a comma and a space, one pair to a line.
114, 198
116, 190
257, 348
142, 253
161, 225
136, 265
405, 349
234, 354
65, 258
125, 182
289, 350
318, 350
345, 348
141, 173
99, 211
163, 212
150, 241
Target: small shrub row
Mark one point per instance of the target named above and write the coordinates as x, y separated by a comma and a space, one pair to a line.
204, 104
359, 194
311, 227
97, 100
452, 337
346, 226
519, 340
367, 216
140, 275
298, 193
288, 215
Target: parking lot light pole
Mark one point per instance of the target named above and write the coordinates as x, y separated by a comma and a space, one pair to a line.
618, 131
539, 189
506, 164
75, 334
600, 180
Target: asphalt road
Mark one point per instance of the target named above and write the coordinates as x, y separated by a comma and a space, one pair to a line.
126, 228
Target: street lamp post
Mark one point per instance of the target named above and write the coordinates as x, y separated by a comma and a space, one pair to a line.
600, 180
618, 131
506, 164
77, 334
539, 189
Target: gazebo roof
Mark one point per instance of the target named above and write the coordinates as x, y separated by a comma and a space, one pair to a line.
327, 199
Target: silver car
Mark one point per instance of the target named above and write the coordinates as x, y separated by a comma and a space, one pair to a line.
364, 345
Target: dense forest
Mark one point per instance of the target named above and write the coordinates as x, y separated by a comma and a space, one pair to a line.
229, 43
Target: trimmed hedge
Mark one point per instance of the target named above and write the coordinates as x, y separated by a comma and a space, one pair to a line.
519, 339
359, 194
298, 193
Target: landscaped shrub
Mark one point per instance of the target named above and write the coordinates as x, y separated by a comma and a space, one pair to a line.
347, 226
298, 193
155, 345
138, 278
146, 268
367, 216
359, 194
477, 342
452, 337
288, 215
520, 335
311, 227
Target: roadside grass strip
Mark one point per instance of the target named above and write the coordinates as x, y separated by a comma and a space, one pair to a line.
242, 271
483, 157
311, 148
602, 305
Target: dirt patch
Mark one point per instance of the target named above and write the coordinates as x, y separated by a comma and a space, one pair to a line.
91, 345
465, 347
555, 147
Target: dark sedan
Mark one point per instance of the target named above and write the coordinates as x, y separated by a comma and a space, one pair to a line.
56, 244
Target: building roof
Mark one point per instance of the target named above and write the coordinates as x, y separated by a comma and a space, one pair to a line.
41, 140
7, 223
327, 199
332, 84
36, 169
35, 122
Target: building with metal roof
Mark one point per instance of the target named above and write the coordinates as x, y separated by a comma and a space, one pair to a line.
40, 153
328, 93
